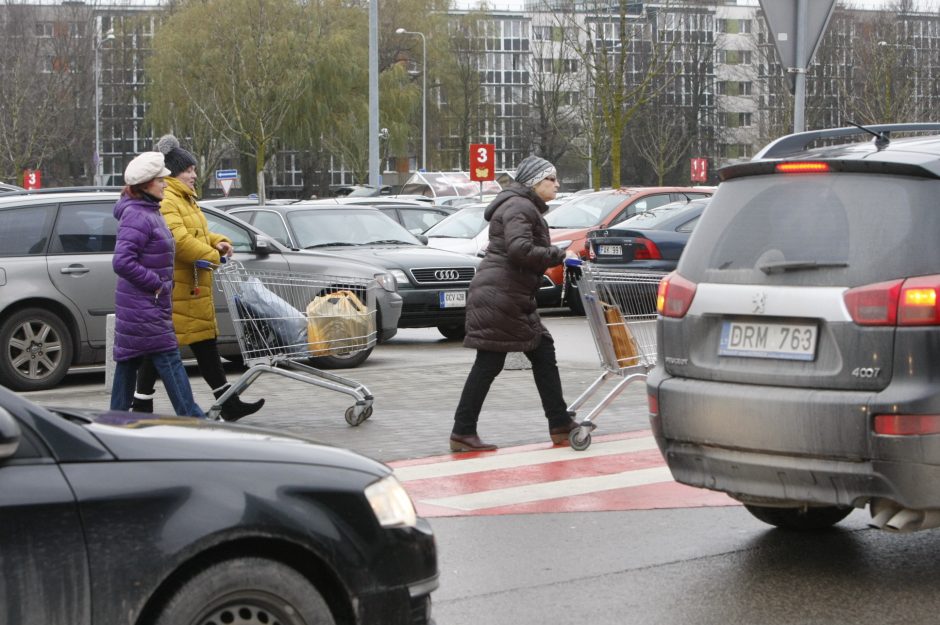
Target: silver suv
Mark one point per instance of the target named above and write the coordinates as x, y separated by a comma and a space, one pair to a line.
57, 284
799, 337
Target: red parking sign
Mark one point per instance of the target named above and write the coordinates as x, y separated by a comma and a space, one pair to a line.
699, 170
32, 179
482, 161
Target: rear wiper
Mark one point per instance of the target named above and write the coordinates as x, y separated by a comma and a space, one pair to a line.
799, 265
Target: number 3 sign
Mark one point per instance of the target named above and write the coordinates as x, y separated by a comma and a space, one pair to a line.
482, 161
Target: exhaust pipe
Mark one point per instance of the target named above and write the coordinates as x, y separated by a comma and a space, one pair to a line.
888, 515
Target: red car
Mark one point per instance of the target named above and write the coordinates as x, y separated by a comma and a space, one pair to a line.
571, 222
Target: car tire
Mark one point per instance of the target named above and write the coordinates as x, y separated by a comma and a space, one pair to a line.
803, 519
251, 591
37, 350
454, 332
340, 361
573, 300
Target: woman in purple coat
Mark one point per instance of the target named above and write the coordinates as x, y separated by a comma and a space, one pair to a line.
143, 262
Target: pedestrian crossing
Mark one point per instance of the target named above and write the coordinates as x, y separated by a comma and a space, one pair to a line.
617, 472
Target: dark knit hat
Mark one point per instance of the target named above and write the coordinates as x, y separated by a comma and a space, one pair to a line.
531, 171
176, 158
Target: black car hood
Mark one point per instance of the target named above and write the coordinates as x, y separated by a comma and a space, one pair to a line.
406, 256
135, 436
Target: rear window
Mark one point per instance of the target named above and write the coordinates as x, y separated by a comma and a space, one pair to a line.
817, 230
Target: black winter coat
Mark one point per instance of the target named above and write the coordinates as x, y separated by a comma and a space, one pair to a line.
502, 315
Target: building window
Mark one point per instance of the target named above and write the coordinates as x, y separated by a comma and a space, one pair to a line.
734, 120
734, 87
734, 150
734, 57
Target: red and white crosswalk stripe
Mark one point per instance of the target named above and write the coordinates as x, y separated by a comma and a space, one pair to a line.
617, 472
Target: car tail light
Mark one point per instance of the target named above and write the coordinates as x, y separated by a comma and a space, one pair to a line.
906, 424
674, 296
652, 400
911, 302
874, 304
802, 167
645, 250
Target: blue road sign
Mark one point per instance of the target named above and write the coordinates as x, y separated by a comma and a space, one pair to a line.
226, 174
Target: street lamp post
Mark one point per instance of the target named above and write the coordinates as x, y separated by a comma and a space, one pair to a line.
424, 95
99, 174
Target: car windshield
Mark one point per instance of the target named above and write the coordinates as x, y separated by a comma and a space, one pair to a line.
586, 211
464, 224
319, 228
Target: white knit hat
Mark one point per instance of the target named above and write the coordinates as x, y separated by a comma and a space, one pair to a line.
145, 167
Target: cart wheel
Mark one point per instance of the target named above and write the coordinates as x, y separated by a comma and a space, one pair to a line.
578, 441
354, 419
366, 414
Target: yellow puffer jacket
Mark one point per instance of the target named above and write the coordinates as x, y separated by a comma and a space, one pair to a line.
193, 310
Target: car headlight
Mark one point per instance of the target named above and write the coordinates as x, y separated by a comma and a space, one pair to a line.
400, 276
562, 245
391, 504
387, 281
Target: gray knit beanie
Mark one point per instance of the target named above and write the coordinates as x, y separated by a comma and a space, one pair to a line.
532, 170
176, 158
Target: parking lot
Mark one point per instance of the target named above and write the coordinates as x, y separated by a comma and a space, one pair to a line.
416, 379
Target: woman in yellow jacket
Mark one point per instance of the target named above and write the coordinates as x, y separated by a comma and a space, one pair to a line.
193, 308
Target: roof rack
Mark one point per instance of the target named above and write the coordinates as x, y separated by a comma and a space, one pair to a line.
795, 143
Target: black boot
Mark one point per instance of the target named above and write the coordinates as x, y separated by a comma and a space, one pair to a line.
234, 408
142, 403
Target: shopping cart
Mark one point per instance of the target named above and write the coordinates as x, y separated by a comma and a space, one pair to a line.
283, 318
620, 307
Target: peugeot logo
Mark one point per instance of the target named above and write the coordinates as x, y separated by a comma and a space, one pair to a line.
760, 302
447, 274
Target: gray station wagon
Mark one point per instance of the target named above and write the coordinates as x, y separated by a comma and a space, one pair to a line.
57, 284
799, 337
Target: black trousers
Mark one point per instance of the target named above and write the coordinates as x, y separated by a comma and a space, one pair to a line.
485, 369
207, 359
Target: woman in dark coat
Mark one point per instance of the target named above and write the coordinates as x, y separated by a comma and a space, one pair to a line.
143, 262
502, 314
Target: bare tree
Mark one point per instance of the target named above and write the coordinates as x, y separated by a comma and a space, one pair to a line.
46, 89
662, 139
622, 55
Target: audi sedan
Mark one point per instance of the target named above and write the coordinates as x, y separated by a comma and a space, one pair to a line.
116, 517
432, 283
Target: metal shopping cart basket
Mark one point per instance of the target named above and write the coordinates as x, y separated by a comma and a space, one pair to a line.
282, 318
620, 307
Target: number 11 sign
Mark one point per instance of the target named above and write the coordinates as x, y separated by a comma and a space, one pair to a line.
482, 162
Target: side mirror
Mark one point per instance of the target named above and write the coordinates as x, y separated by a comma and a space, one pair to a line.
263, 246
9, 435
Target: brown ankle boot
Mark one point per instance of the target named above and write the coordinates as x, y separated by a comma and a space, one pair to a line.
469, 442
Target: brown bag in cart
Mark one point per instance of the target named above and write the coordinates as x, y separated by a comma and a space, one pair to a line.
338, 323
625, 348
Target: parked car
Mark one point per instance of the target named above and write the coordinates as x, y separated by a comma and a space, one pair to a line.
649, 241
433, 283
465, 231
797, 361
10, 188
415, 216
112, 517
57, 284
571, 221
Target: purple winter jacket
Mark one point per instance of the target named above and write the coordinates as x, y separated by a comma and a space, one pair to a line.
143, 262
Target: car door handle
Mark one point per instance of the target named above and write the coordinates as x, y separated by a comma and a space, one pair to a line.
75, 269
